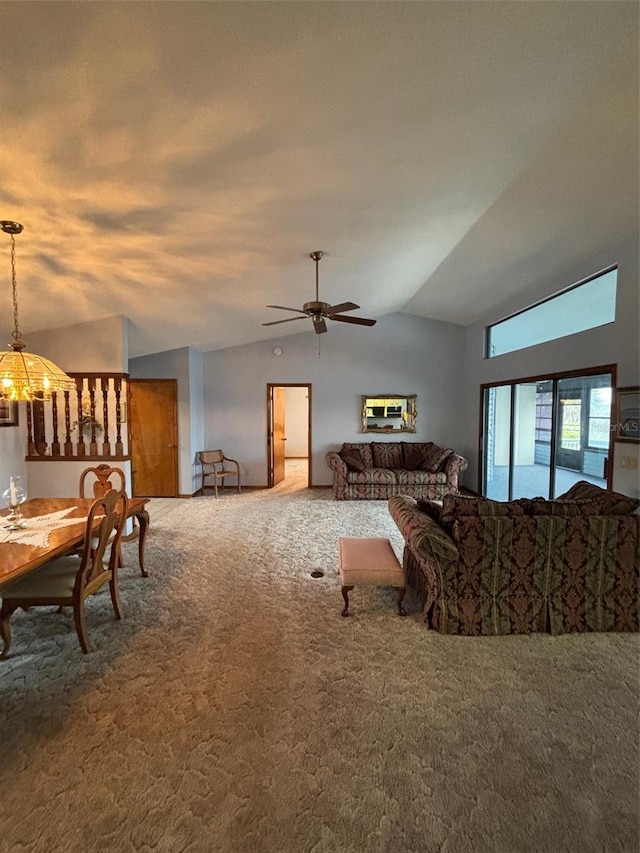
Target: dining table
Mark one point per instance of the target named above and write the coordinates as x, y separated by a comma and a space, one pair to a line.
63, 536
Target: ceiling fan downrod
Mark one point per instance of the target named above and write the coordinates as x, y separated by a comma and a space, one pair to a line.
317, 256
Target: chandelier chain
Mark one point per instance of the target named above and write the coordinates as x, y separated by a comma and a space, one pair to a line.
16, 334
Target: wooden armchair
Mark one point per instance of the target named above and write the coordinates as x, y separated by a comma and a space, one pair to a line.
69, 580
214, 467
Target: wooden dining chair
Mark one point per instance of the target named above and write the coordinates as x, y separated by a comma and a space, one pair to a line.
102, 483
213, 466
102, 478
69, 580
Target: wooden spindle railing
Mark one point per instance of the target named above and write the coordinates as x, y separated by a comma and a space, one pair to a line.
55, 444
68, 444
89, 420
106, 445
93, 444
118, 390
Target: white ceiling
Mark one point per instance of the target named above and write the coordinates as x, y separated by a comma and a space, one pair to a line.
176, 162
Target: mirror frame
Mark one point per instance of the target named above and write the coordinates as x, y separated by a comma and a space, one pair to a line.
409, 406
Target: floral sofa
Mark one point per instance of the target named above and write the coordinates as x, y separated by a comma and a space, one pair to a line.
484, 567
377, 470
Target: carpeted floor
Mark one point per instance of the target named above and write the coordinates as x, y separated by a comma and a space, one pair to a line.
235, 710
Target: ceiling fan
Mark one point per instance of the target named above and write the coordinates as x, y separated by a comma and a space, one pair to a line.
321, 311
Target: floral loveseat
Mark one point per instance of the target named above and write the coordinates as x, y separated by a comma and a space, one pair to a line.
377, 470
485, 567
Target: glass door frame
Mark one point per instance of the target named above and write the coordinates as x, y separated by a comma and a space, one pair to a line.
553, 377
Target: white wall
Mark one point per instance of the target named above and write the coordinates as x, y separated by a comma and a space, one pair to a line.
61, 479
94, 347
401, 355
184, 365
196, 400
616, 343
296, 405
13, 449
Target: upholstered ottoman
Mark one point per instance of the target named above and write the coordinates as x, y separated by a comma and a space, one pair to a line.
372, 562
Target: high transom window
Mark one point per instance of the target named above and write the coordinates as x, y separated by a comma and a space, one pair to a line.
583, 306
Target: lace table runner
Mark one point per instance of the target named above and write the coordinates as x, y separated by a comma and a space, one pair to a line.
38, 529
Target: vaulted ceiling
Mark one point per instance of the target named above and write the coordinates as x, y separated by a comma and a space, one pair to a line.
176, 162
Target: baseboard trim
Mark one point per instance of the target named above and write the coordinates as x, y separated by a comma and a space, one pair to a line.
200, 493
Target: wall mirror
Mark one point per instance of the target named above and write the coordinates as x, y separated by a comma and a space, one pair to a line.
389, 413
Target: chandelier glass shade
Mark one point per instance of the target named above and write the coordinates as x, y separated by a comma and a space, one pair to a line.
24, 375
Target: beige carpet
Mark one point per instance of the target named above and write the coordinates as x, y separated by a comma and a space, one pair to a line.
235, 710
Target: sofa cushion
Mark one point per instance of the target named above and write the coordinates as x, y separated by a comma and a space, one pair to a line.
431, 508
562, 508
616, 504
463, 506
412, 455
372, 476
352, 458
364, 447
581, 491
387, 454
434, 457
558, 508
611, 503
419, 478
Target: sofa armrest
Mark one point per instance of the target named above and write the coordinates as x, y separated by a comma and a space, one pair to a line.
336, 463
454, 465
421, 533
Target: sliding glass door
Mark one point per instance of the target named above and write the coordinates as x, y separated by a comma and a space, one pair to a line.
541, 435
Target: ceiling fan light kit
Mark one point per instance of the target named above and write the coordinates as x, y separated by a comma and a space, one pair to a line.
320, 311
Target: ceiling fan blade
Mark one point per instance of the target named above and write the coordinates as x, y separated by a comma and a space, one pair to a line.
358, 321
343, 306
319, 325
288, 320
283, 308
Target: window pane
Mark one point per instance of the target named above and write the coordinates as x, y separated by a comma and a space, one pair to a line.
599, 417
530, 468
571, 412
585, 306
600, 403
599, 432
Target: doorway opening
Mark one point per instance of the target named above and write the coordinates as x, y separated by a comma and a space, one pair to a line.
289, 436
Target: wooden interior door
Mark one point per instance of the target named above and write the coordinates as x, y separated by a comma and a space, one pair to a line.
278, 435
275, 435
153, 437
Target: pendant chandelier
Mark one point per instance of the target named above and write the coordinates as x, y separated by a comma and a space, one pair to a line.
23, 375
